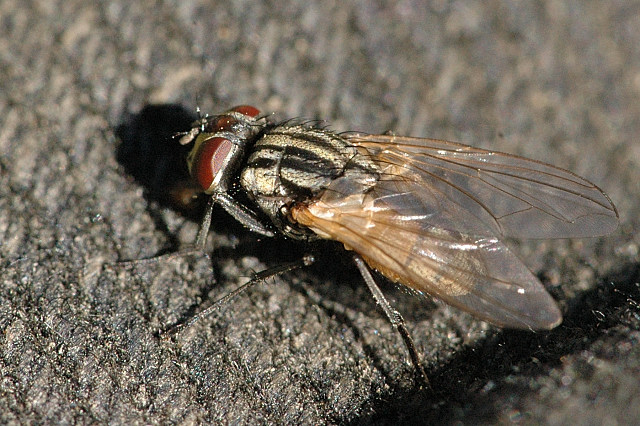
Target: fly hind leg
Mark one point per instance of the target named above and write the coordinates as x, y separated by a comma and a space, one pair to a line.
395, 319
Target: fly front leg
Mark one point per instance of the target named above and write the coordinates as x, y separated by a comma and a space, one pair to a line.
239, 212
242, 214
201, 239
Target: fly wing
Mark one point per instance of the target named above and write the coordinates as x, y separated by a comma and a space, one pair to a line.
488, 193
432, 220
476, 274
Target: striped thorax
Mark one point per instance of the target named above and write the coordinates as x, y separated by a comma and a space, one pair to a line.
293, 164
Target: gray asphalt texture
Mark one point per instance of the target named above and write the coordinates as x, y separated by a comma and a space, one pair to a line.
554, 81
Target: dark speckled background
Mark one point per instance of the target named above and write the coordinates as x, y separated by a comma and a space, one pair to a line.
557, 81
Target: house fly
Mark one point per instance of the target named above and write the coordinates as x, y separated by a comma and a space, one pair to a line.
425, 213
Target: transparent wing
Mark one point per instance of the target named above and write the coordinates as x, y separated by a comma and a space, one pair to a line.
487, 193
432, 222
476, 274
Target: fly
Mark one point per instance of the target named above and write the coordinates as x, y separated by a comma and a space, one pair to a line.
425, 213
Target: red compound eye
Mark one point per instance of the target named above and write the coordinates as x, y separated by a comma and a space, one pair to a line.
246, 110
223, 123
211, 157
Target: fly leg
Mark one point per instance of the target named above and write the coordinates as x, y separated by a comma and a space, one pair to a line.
394, 317
262, 276
239, 212
201, 239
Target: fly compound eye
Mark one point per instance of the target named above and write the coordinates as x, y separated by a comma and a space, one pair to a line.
214, 156
221, 123
208, 163
247, 110
230, 120
225, 123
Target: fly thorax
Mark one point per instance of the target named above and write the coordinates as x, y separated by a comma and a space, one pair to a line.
290, 165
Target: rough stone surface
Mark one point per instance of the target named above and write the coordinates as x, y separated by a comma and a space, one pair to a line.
557, 81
